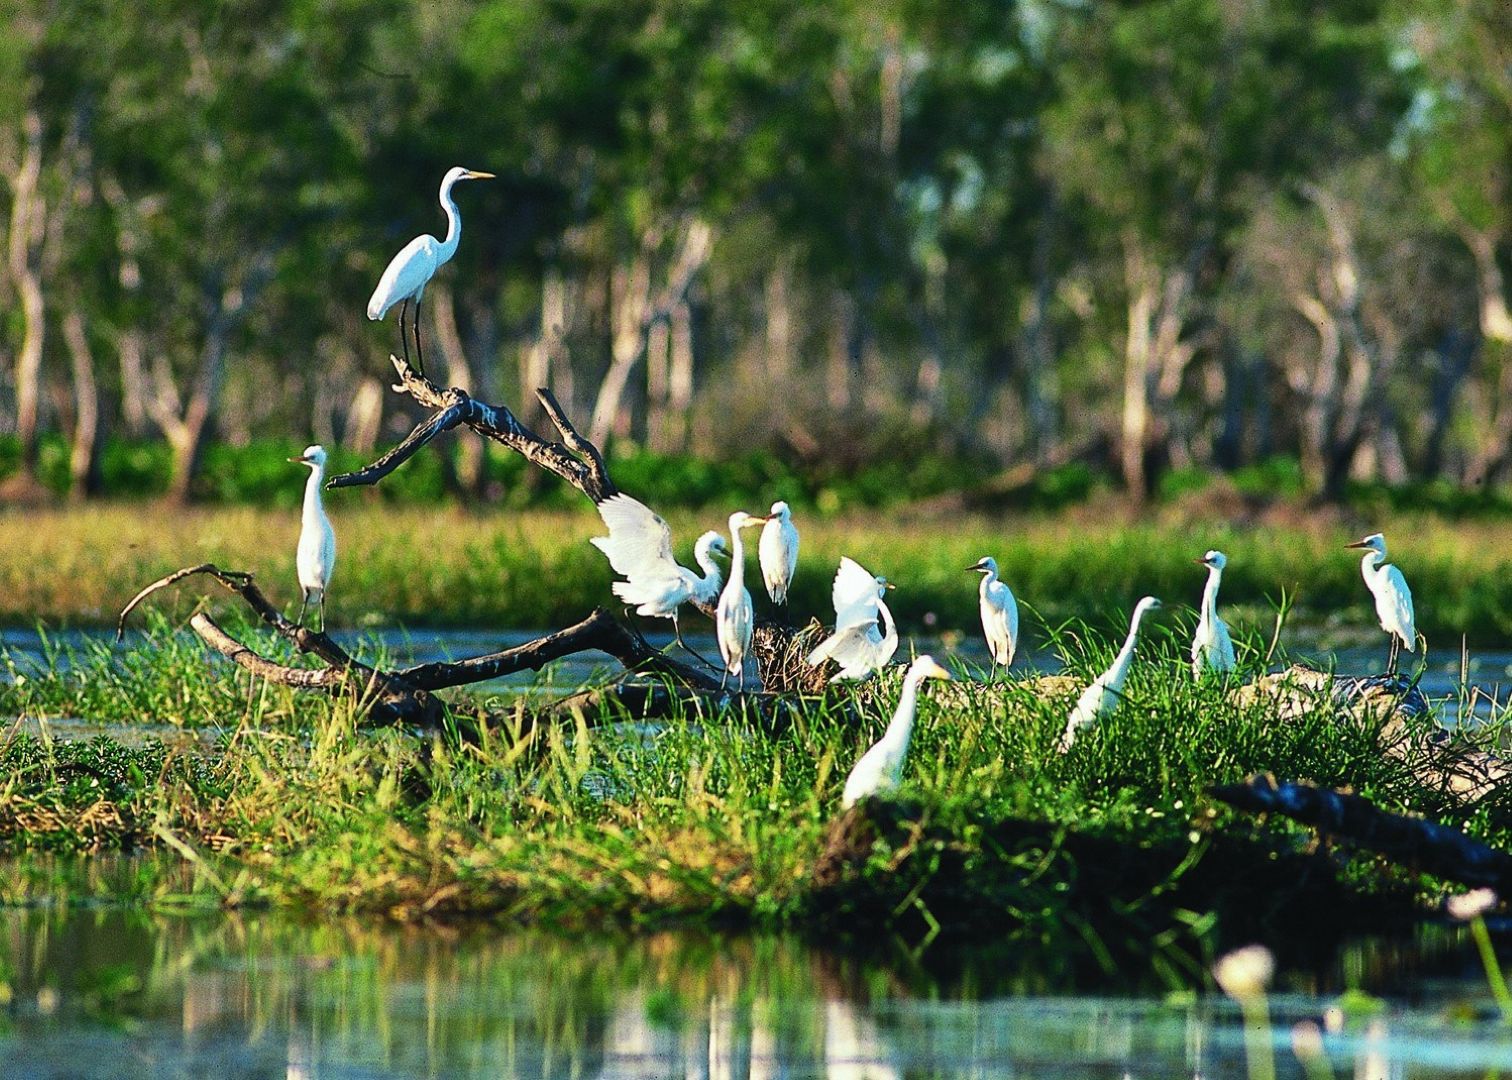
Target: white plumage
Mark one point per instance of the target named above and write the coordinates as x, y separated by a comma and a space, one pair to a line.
639, 548
1103, 695
1000, 615
1212, 648
857, 645
881, 768
1393, 599
734, 618
778, 552
410, 271
315, 557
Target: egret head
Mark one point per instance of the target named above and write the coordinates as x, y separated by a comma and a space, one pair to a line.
925, 668
742, 520
780, 510
457, 172
1375, 542
1149, 603
986, 565
313, 455
1214, 560
883, 585
711, 543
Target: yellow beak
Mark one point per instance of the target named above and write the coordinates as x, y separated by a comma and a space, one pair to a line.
473, 174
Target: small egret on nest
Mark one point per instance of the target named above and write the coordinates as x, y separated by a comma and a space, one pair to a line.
1103, 696
733, 618
411, 270
857, 645
778, 551
1393, 599
1000, 618
1212, 648
315, 557
881, 768
639, 548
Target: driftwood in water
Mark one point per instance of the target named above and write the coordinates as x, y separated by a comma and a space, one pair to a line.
1425, 845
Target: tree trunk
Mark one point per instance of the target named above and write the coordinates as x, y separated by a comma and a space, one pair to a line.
842, 353
28, 214
469, 460
84, 458
780, 346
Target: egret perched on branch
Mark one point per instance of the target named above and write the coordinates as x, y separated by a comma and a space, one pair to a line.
1393, 599
733, 617
881, 768
778, 550
1000, 618
639, 548
857, 645
1212, 648
411, 270
1103, 696
315, 557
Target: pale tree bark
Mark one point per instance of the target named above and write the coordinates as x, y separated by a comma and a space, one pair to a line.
1496, 347
635, 309
184, 419
84, 455
364, 416
1155, 359
543, 361
469, 462
842, 353
131, 341
780, 335
24, 252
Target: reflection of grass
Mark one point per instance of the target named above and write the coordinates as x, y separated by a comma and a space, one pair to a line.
1110, 849
535, 569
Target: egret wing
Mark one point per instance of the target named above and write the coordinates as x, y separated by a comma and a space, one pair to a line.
1398, 602
639, 544
406, 275
854, 594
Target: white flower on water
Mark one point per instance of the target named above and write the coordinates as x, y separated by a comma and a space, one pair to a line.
1245, 973
1471, 905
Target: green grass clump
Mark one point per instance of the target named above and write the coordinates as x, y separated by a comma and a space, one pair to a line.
1101, 851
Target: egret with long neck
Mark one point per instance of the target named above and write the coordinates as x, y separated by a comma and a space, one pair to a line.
1103, 696
1212, 648
881, 768
734, 618
315, 557
1000, 615
1393, 599
411, 270
777, 552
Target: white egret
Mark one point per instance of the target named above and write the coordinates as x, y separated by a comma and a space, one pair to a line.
1000, 616
1103, 696
1212, 648
881, 768
411, 270
1393, 599
778, 551
639, 548
734, 618
857, 645
315, 557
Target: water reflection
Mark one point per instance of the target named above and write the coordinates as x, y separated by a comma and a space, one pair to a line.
113, 993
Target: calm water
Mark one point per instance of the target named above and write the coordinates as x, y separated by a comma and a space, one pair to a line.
107, 993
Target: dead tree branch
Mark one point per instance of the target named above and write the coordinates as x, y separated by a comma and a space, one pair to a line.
1426, 845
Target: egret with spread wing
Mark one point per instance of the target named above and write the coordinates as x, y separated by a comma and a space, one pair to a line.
1212, 648
1393, 599
734, 619
857, 645
639, 548
880, 769
1000, 615
1106, 691
315, 557
778, 551
411, 270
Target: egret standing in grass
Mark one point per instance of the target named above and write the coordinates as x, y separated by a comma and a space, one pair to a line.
315, 557
411, 270
1000, 618
1212, 648
639, 548
734, 618
881, 768
778, 551
1393, 599
857, 645
1106, 691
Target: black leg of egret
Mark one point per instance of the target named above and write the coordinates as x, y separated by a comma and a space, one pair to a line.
1391, 659
403, 337
322, 611
419, 352
304, 602
678, 638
